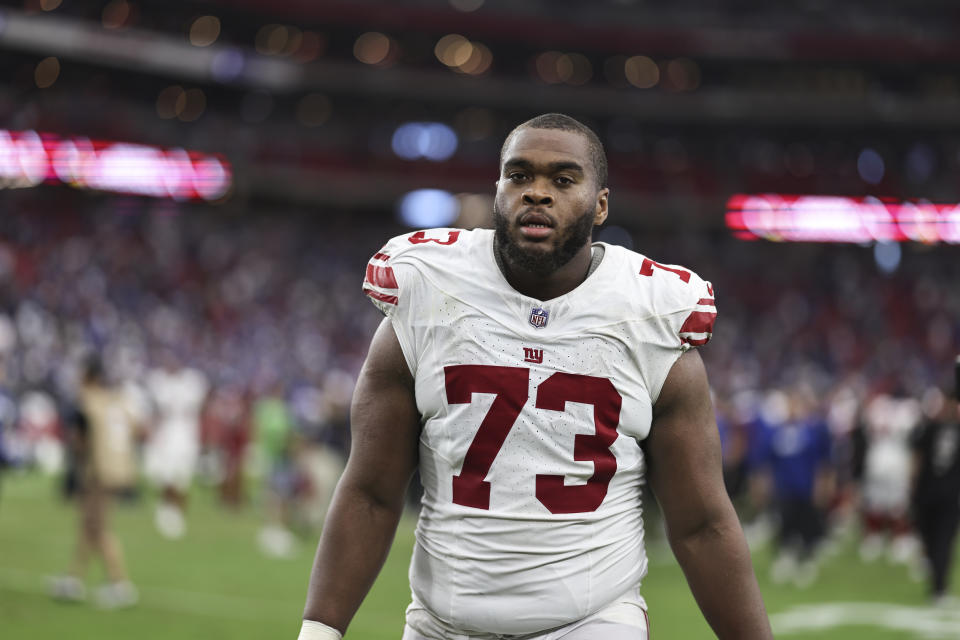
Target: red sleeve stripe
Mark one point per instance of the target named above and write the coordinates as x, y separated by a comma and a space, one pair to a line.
698, 342
706, 301
381, 256
382, 297
381, 277
698, 322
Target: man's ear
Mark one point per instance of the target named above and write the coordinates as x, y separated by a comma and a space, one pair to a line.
601, 211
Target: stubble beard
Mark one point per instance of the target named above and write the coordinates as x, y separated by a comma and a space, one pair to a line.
541, 263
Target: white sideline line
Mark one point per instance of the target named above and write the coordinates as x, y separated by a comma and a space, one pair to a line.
176, 600
932, 623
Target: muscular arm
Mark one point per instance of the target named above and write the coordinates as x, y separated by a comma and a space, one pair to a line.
368, 502
683, 452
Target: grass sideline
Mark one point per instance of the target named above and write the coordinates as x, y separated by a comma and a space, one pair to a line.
216, 584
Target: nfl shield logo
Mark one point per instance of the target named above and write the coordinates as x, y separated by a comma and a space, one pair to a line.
538, 317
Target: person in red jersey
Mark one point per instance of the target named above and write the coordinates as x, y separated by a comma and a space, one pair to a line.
537, 381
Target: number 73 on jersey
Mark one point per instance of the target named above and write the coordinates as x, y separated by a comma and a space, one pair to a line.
510, 385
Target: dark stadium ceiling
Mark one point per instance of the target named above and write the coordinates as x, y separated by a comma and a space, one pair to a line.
734, 84
819, 29
738, 54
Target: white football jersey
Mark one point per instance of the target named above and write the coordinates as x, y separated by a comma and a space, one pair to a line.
532, 412
178, 396
171, 453
889, 422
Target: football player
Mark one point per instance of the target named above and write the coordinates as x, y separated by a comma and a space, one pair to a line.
536, 380
178, 393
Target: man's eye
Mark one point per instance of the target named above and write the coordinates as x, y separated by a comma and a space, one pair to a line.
516, 177
564, 180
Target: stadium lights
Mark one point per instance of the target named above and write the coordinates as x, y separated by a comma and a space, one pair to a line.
424, 208
28, 159
429, 140
147, 51
817, 218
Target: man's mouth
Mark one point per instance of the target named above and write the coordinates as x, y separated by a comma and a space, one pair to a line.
535, 226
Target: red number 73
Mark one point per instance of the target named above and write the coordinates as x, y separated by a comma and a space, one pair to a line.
509, 385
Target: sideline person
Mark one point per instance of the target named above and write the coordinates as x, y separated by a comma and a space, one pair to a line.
105, 434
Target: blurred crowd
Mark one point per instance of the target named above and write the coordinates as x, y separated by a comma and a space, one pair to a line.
237, 340
251, 332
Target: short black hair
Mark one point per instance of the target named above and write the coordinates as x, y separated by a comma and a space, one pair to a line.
598, 156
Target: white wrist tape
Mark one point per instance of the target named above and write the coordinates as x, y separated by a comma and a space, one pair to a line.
313, 630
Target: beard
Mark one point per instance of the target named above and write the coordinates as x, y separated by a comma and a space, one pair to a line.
541, 263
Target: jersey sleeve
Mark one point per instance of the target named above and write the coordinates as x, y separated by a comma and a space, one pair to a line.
395, 283
698, 315
684, 315
380, 282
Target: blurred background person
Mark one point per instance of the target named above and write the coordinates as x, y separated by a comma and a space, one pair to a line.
793, 448
843, 408
888, 423
172, 451
735, 443
104, 434
322, 416
277, 447
226, 434
936, 490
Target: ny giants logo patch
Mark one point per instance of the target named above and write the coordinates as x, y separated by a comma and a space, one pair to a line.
539, 317
533, 355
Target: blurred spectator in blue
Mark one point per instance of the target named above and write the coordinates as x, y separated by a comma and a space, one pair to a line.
936, 490
792, 444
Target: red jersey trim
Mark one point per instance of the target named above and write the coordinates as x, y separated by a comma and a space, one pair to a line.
699, 322
381, 277
382, 297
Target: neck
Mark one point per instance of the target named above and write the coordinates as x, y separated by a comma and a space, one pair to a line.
545, 286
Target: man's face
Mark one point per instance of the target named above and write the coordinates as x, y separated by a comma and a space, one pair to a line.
547, 199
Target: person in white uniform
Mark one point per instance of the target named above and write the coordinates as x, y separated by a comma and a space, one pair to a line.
537, 381
178, 393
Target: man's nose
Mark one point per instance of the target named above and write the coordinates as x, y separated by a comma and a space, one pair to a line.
537, 197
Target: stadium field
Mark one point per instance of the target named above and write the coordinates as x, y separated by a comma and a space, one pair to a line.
216, 584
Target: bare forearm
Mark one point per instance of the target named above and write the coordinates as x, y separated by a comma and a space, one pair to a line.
356, 538
716, 562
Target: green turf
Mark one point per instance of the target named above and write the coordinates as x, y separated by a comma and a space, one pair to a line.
216, 584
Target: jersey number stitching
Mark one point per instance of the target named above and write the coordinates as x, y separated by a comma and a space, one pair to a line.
420, 237
646, 269
510, 388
